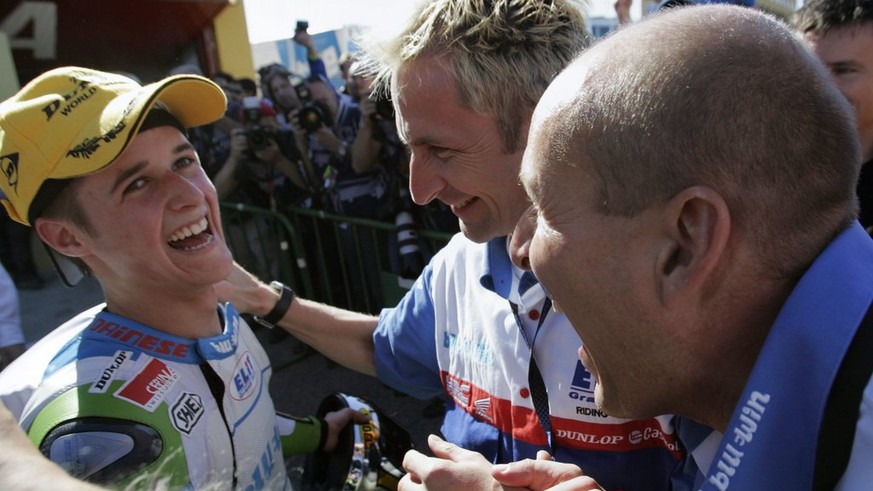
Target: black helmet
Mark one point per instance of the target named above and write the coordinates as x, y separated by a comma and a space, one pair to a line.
367, 456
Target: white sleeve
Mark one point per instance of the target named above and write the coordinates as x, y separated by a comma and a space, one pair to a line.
10, 317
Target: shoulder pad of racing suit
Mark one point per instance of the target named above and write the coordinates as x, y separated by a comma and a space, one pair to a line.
102, 450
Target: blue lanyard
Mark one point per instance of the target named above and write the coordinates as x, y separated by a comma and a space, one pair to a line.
773, 436
539, 395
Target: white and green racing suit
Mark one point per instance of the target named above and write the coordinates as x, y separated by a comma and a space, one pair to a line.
118, 403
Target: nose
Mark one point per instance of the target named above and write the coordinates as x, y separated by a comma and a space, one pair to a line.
519, 243
424, 183
183, 191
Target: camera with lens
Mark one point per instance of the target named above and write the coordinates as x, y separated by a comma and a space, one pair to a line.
312, 114
257, 136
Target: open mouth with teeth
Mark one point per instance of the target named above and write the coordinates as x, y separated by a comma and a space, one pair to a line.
192, 237
463, 205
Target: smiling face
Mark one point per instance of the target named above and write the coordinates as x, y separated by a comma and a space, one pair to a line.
848, 54
284, 92
154, 220
598, 269
587, 262
457, 155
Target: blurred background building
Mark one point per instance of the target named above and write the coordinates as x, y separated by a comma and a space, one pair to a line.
146, 38
143, 37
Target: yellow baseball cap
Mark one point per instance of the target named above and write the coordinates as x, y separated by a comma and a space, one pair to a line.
71, 122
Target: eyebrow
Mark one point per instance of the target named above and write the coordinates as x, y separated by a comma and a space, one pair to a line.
432, 141
843, 64
421, 140
126, 175
138, 167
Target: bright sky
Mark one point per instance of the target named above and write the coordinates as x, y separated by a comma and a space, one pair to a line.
269, 20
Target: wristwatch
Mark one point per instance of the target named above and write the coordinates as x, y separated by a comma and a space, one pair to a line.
343, 149
286, 297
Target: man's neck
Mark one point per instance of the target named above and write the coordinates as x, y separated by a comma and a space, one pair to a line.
191, 316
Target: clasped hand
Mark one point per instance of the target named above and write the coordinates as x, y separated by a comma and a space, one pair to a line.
453, 467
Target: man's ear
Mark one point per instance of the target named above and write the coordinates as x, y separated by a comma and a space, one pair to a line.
697, 227
60, 236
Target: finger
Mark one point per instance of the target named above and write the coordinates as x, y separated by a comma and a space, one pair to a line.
581, 483
409, 482
416, 463
357, 416
543, 455
441, 448
446, 450
537, 474
342, 417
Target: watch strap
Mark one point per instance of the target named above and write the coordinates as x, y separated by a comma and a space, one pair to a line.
286, 298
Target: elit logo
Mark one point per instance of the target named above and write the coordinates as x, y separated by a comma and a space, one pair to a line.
245, 378
9, 168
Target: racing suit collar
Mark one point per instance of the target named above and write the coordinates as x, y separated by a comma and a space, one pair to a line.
129, 333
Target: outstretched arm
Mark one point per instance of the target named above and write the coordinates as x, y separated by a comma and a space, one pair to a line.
343, 336
23, 467
316, 64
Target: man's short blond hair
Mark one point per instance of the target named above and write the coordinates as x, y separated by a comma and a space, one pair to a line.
502, 53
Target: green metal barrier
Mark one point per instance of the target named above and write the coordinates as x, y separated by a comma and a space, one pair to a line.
351, 258
267, 245
339, 260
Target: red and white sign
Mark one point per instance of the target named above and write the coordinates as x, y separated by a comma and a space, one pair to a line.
150, 386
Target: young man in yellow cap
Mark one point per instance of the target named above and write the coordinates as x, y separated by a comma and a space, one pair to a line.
162, 381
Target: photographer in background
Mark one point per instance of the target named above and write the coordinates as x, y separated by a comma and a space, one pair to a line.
232, 88
346, 60
248, 86
280, 86
376, 143
264, 167
327, 125
212, 141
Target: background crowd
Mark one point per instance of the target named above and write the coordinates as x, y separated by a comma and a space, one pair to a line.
294, 141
